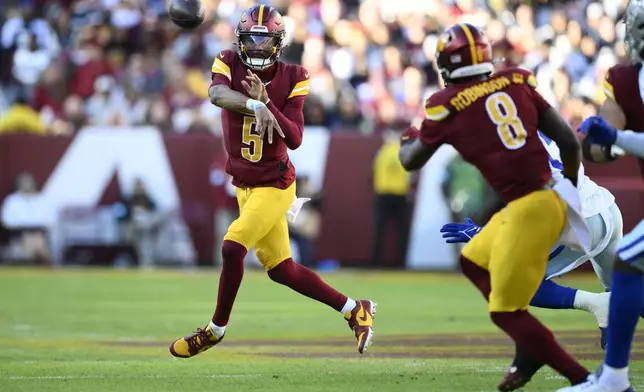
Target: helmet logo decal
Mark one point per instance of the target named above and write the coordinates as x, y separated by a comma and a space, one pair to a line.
442, 41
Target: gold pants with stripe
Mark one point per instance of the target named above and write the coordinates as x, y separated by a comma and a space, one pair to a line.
514, 248
262, 223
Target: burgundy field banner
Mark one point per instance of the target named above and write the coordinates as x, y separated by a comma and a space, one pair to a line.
99, 165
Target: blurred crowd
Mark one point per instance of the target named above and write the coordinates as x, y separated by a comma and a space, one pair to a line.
65, 64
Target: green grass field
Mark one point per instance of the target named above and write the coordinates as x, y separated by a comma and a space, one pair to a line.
99, 330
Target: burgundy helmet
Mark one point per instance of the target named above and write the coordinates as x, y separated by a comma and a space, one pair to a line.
463, 51
260, 33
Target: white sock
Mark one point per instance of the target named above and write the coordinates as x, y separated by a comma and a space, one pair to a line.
348, 306
584, 300
614, 378
217, 330
595, 303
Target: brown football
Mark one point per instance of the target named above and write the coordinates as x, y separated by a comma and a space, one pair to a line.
599, 154
187, 14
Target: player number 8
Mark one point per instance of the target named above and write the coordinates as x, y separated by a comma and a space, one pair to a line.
504, 114
255, 143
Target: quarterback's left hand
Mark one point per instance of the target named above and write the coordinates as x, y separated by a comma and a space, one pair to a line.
255, 87
599, 131
460, 232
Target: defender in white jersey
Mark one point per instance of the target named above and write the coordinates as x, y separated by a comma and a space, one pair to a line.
602, 217
627, 302
623, 109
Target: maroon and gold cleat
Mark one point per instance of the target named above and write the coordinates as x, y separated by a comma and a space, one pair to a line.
360, 321
521, 371
195, 343
513, 380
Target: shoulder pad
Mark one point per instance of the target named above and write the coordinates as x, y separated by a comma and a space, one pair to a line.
222, 63
437, 107
301, 82
620, 81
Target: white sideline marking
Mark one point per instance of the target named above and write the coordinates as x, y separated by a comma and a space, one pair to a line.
97, 377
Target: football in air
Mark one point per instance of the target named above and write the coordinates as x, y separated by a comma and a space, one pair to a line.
187, 14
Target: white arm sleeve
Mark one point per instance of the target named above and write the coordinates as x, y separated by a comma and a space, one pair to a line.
631, 142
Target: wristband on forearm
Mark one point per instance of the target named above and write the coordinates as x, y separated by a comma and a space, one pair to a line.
253, 104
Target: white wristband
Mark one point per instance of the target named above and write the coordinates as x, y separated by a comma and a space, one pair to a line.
253, 104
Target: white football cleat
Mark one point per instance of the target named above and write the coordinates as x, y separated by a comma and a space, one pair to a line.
593, 385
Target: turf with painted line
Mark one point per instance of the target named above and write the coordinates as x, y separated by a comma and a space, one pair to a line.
109, 330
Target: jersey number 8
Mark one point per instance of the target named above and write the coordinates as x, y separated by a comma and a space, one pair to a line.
504, 114
254, 142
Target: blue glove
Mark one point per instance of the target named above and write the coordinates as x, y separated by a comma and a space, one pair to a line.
460, 232
599, 131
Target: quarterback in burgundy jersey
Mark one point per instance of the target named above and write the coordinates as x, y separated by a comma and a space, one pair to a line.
251, 161
262, 100
492, 120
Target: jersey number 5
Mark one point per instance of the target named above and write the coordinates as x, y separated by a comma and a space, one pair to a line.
251, 139
504, 114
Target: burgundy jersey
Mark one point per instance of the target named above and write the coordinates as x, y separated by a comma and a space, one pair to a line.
252, 161
493, 124
622, 85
